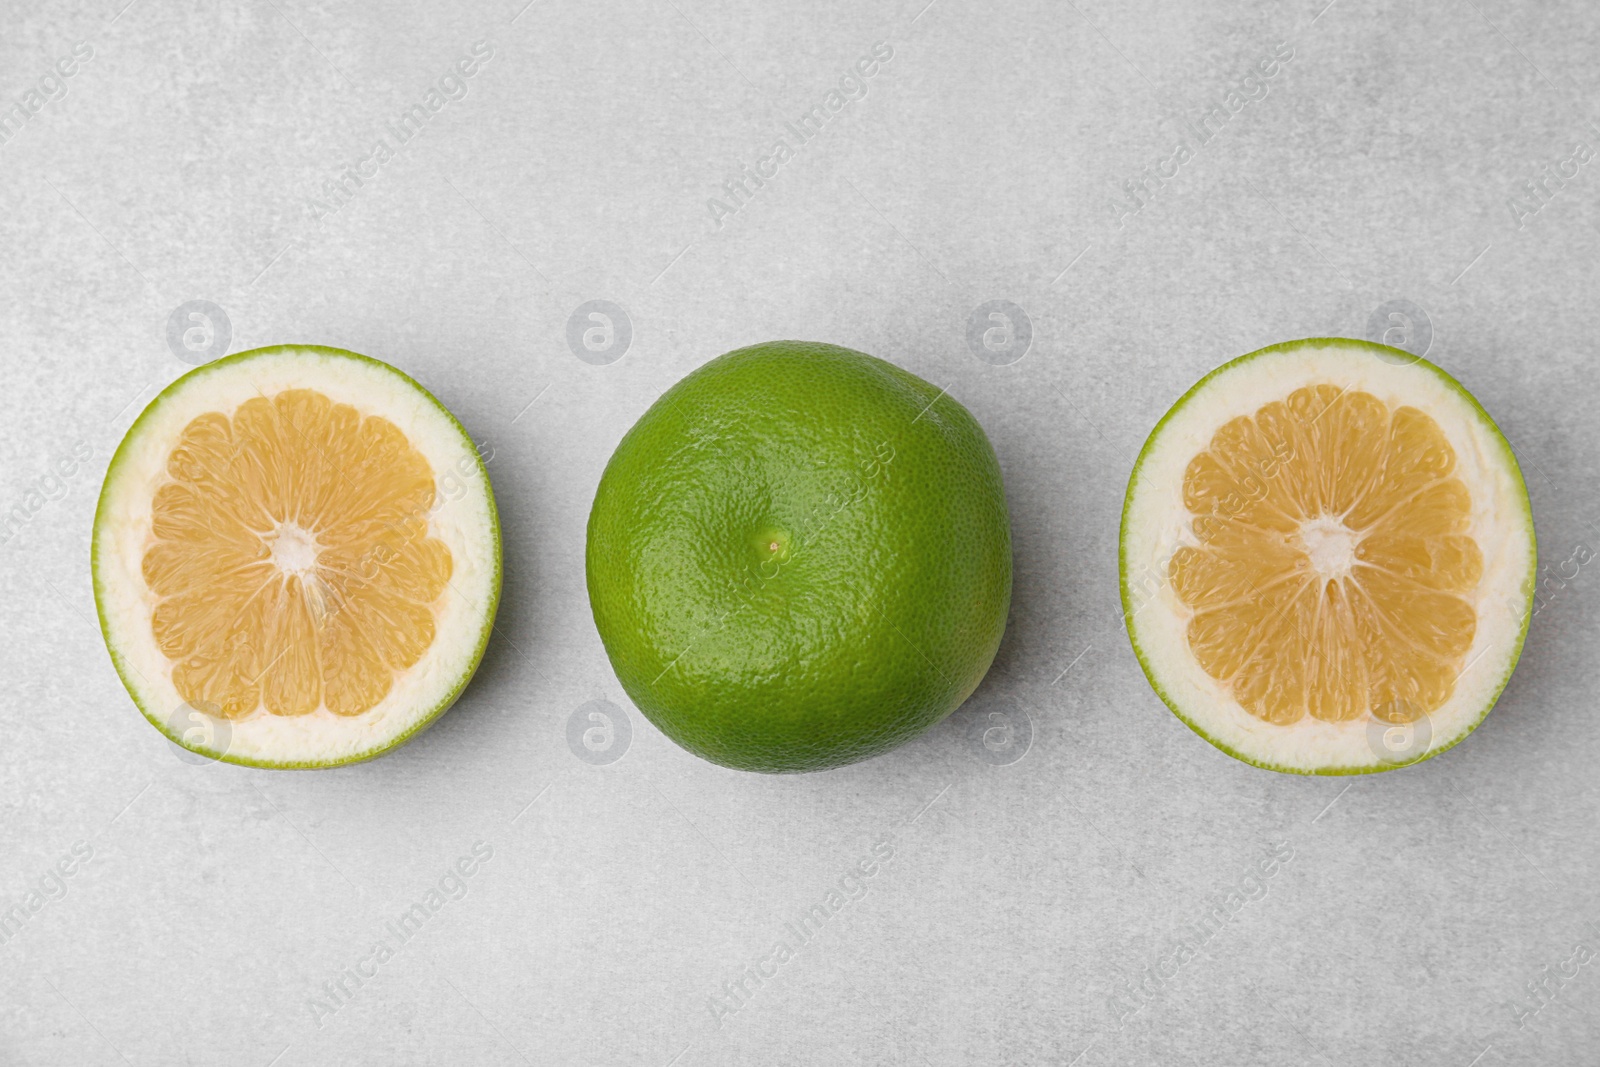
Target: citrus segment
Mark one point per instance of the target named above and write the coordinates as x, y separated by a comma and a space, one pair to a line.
1370, 543
1320, 536
279, 540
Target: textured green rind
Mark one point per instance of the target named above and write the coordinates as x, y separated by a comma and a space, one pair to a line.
892, 601
123, 668
1528, 585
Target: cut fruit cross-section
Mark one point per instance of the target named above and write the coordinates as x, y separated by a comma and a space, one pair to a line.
300, 543
1327, 558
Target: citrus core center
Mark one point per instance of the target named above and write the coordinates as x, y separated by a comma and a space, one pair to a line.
1330, 544
294, 549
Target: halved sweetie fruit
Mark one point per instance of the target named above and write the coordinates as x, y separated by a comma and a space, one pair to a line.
1328, 558
296, 558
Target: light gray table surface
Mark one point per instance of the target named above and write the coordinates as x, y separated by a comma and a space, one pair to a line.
1018, 894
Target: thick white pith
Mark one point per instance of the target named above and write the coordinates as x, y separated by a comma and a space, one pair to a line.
463, 517
1330, 545
1156, 524
294, 550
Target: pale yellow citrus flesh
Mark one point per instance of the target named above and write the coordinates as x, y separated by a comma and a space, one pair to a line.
1335, 567
289, 558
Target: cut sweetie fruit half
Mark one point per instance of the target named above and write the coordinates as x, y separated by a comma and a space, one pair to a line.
1327, 558
297, 547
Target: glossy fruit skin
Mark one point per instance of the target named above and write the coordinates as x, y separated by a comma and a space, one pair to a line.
885, 600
